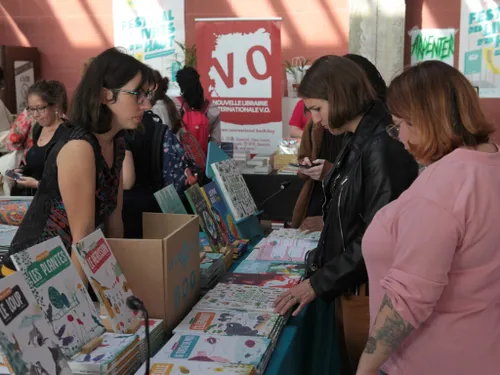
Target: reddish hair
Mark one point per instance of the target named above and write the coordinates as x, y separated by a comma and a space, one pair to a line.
443, 105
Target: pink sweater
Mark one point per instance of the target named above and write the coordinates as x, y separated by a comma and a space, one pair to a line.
436, 253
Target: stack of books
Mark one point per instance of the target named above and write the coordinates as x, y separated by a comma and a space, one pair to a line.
211, 270
240, 247
239, 297
236, 350
232, 323
156, 337
117, 354
7, 233
163, 365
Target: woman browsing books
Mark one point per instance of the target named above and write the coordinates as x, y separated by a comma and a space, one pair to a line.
81, 188
372, 170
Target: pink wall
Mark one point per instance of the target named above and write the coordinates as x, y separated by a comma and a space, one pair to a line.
67, 32
444, 14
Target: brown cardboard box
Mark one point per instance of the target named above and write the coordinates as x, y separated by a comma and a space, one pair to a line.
163, 269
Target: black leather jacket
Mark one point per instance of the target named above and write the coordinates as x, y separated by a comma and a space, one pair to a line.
372, 170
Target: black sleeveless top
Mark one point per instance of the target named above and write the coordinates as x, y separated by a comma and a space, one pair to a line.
46, 217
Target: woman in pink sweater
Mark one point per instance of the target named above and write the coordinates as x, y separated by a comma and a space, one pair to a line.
433, 255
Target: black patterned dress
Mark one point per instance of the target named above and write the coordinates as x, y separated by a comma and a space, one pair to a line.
47, 217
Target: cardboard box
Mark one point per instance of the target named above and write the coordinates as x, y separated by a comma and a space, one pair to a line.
163, 268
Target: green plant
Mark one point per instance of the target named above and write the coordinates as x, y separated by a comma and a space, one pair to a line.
298, 65
189, 54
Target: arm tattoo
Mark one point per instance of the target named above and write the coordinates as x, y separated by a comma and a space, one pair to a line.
393, 331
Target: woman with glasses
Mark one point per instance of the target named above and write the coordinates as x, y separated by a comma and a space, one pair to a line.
372, 169
81, 189
47, 104
432, 255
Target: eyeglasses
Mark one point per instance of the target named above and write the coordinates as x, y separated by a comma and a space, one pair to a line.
139, 95
38, 110
394, 129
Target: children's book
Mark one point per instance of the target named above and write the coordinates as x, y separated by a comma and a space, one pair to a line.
222, 349
183, 366
234, 189
266, 280
208, 223
107, 279
249, 266
229, 323
239, 297
284, 249
221, 212
296, 234
169, 201
26, 339
116, 352
60, 292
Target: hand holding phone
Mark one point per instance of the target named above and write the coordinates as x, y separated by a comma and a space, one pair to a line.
13, 174
303, 165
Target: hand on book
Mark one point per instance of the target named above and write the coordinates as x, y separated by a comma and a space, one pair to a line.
301, 294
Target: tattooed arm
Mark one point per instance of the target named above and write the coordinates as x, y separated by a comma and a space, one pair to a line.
387, 334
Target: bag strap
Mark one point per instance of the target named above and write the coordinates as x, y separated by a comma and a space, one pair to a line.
37, 131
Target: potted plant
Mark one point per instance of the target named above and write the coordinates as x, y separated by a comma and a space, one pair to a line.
296, 69
189, 54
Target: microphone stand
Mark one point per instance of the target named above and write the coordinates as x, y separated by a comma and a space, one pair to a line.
283, 186
135, 304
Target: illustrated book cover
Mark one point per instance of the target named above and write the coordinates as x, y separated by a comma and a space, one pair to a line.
26, 340
265, 280
249, 266
107, 279
169, 201
60, 292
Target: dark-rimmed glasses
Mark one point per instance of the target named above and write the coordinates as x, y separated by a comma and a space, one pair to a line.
38, 110
140, 95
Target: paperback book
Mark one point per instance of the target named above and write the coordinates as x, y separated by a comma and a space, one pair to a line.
230, 323
239, 297
168, 366
26, 339
234, 189
117, 354
284, 249
60, 293
169, 201
208, 223
266, 280
107, 279
249, 266
221, 212
253, 351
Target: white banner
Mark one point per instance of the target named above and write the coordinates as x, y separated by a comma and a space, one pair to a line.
432, 44
479, 57
149, 30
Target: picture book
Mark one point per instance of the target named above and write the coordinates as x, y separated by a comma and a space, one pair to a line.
208, 223
229, 323
296, 234
221, 213
239, 297
249, 266
284, 249
26, 339
60, 292
181, 367
107, 279
169, 201
266, 280
222, 349
235, 190
115, 351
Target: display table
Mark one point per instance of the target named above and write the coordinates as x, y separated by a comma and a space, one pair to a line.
308, 343
280, 207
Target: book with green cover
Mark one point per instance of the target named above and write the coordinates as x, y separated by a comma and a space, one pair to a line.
169, 200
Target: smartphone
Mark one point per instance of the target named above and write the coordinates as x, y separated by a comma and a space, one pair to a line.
14, 175
302, 166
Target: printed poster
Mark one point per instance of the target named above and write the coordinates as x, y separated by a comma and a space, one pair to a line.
479, 57
24, 74
149, 30
432, 44
239, 62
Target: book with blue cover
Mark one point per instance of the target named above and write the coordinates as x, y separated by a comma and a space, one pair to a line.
250, 266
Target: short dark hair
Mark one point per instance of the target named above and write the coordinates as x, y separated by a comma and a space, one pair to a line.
161, 94
188, 79
343, 84
51, 92
374, 76
112, 69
